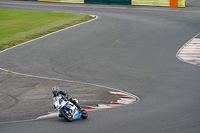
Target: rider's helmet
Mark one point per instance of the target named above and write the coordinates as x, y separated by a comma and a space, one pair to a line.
55, 90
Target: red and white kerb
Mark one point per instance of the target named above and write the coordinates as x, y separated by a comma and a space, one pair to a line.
190, 52
124, 99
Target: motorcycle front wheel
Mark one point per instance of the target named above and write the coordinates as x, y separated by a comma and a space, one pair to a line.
67, 117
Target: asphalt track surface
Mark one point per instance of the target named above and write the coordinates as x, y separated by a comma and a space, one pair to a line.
132, 49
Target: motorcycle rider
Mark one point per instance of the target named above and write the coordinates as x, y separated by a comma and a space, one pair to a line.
65, 96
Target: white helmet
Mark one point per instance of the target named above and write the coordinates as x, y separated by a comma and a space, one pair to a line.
55, 90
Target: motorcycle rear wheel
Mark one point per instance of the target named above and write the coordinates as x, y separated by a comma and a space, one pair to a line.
84, 114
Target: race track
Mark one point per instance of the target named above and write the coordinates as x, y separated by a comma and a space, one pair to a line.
128, 48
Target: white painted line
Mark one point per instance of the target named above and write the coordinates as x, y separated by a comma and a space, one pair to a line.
196, 59
194, 63
197, 56
189, 52
191, 47
48, 116
193, 44
125, 101
112, 92
195, 41
196, 38
103, 106
190, 58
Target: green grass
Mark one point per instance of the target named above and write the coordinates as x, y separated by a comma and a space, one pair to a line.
18, 26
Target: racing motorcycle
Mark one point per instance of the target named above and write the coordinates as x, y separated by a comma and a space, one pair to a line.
68, 110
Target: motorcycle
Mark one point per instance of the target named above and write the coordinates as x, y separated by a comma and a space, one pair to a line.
68, 110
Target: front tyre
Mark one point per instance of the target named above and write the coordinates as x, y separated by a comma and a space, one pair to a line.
84, 114
67, 117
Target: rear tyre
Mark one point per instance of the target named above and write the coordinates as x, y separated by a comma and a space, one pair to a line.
84, 114
67, 117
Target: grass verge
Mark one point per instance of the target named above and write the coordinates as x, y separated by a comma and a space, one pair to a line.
18, 26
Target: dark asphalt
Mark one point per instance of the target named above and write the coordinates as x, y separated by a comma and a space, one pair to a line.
133, 49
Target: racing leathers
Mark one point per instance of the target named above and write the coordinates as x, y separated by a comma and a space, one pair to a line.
65, 96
